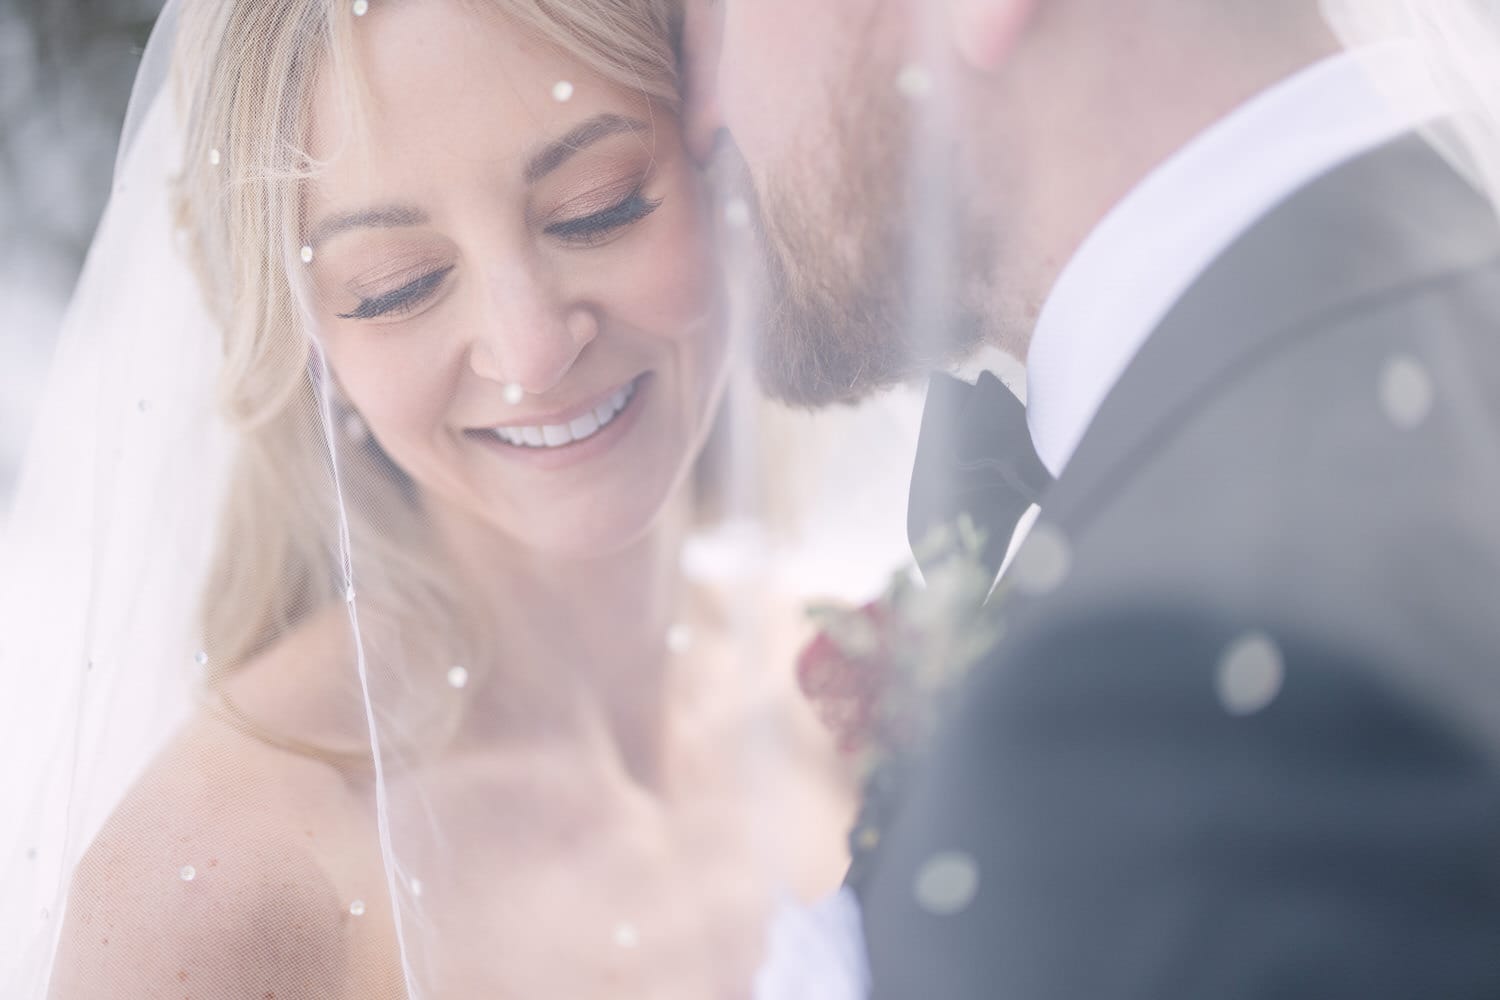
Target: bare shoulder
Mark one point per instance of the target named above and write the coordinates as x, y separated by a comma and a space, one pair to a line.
201, 885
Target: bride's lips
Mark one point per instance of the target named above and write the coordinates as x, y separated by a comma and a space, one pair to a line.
561, 455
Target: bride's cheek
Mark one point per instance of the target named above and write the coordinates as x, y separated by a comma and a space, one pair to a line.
676, 278
393, 379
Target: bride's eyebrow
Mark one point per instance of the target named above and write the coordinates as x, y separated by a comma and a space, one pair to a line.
383, 217
551, 156
557, 152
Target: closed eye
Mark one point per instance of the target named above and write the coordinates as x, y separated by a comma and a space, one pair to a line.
402, 300
590, 230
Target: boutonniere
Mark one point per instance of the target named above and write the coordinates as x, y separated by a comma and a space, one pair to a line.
877, 674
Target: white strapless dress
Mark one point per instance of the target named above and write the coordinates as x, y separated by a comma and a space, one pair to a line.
816, 952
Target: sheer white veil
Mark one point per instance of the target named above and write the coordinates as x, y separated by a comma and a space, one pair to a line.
1456, 45
109, 547
105, 552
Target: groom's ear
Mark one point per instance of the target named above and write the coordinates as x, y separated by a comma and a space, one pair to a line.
985, 32
700, 48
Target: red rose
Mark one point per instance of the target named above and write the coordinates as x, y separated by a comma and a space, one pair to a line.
845, 670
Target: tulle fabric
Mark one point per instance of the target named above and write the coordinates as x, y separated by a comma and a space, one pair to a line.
1456, 49
106, 547
222, 788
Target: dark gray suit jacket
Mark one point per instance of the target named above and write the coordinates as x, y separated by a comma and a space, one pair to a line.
1265, 466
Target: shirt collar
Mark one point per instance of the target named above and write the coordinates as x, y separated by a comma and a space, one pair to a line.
1150, 248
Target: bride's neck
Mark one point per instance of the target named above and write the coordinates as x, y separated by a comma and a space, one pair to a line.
585, 639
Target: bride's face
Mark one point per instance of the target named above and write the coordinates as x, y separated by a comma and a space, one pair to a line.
514, 278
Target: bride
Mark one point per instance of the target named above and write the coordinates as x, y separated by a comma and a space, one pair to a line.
464, 728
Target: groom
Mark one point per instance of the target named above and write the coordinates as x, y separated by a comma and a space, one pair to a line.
1241, 736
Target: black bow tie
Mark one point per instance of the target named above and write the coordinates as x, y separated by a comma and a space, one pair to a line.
974, 457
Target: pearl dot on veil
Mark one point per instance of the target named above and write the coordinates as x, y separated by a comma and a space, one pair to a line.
1405, 392
737, 213
1250, 674
947, 883
679, 638
1043, 561
914, 82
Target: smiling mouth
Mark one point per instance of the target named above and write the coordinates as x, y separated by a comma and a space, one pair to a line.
546, 436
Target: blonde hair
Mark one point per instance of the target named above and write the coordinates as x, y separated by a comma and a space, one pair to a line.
246, 72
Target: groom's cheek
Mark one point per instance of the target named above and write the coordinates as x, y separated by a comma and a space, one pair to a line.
778, 63
785, 66
750, 97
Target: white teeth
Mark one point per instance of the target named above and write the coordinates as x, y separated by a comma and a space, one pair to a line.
585, 426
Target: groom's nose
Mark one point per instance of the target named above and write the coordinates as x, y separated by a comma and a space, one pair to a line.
702, 47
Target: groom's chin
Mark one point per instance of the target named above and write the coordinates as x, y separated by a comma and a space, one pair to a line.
793, 388
842, 352
811, 366
834, 332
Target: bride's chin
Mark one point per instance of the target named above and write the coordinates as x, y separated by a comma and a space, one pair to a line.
587, 518
606, 518
598, 529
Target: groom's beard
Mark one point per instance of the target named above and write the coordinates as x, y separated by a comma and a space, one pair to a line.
842, 316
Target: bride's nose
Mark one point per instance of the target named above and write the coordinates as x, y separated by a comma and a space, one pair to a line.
528, 335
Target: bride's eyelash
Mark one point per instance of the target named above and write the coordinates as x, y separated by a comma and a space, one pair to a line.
593, 228
587, 230
402, 300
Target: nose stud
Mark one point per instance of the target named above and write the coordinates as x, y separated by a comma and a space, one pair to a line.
514, 393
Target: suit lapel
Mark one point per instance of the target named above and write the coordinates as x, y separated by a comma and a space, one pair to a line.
1384, 223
